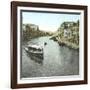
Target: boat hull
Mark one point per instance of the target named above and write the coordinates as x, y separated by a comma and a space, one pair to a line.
36, 56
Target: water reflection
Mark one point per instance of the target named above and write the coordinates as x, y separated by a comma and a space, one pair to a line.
56, 60
37, 58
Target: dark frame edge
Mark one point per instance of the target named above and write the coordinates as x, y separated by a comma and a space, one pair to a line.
47, 5
51, 84
13, 45
86, 44
11, 48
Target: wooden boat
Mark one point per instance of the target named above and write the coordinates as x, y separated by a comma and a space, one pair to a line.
35, 51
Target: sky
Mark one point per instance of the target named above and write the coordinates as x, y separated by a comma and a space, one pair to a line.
47, 21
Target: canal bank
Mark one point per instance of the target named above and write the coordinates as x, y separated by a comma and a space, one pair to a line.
63, 42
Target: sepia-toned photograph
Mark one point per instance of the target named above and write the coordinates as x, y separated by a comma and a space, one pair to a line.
49, 44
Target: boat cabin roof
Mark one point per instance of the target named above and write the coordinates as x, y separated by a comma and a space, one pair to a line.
35, 46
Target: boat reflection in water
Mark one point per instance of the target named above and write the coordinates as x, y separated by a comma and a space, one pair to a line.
35, 52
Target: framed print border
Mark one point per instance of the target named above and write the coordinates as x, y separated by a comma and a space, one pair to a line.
14, 43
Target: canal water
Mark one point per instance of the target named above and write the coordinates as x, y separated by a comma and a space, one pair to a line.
57, 61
